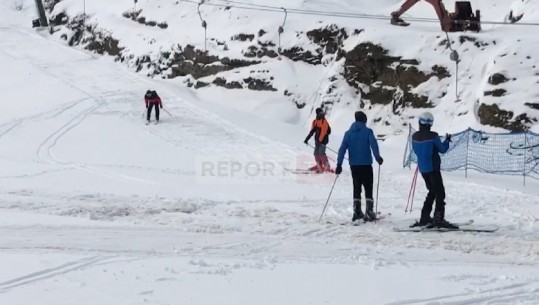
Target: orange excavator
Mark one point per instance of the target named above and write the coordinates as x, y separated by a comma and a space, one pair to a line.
463, 19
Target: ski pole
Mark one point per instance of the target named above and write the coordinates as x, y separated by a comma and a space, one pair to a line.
167, 112
332, 150
329, 196
377, 189
412, 192
329, 149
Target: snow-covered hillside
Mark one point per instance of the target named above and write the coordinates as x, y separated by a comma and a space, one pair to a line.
341, 63
98, 208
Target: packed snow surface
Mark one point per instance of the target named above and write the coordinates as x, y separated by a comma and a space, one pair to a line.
98, 208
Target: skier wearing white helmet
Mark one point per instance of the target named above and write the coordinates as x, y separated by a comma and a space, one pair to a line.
428, 146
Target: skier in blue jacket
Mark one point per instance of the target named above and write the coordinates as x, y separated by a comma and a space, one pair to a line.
428, 146
361, 144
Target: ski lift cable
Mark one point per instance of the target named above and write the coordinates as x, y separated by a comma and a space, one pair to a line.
354, 15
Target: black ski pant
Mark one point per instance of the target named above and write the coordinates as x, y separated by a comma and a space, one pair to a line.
149, 111
362, 177
435, 185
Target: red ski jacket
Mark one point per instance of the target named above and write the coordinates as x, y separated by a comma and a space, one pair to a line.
153, 100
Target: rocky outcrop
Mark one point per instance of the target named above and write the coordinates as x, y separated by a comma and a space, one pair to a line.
330, 38
88, 35
258, 84
532, 105
299, 54
495, 93
254, 51
221, 82
243, 37
329, 41
497, 78
494, 116
136, 16
190, 61
384, 79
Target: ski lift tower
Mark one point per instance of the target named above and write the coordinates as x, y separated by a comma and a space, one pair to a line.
42, 21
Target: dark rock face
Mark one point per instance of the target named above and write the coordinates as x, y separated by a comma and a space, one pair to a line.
104, 44
533, 105
243, 37
388, 78
258, 84
200, 84
299, 54
59, 19
219, 81
94, 40
135, 16
497, 78
329, 39
254, 51
189, 61
495, 93
494, 116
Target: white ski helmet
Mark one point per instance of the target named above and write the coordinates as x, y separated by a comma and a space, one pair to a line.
426, 118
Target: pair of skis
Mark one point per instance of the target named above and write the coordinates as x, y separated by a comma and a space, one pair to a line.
306, 171
359, 222
467, 226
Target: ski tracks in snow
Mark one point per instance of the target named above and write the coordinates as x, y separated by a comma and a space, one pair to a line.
49, 273
520, 293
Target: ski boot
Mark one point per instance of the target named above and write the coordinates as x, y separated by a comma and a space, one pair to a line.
396, 20
423, 222
439, 222
358, 214
369, 213
425, 219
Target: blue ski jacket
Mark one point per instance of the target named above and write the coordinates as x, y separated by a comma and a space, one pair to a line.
359, 140
428, 146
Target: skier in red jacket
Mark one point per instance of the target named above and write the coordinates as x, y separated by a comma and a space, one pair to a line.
152, 100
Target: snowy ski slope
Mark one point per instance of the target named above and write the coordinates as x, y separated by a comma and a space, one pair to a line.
98, 208
507, 49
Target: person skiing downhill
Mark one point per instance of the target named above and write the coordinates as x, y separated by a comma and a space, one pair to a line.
428, 146
321, 130
152, 100
361, 144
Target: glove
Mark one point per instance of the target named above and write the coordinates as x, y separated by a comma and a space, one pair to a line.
448, 137
380, 160
338, 170
161, 106
306, 142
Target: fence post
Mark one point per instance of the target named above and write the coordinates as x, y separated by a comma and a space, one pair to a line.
525, 156
407, 153
467, 151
